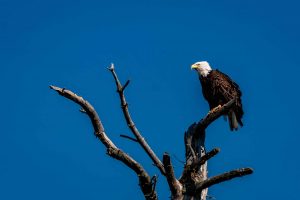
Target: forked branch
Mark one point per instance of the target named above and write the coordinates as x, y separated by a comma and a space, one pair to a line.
144, 178
130, 123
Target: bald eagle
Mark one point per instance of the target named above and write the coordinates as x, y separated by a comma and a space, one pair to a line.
218, 89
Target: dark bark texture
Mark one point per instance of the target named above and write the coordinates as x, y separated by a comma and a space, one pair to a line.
194, 182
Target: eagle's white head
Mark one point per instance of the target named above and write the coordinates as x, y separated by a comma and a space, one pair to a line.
202, 67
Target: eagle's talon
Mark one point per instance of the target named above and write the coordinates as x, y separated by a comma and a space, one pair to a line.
218, 107
215, 109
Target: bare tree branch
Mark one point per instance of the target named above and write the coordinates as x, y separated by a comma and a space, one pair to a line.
125, 85
112, 150
194, 183
174, 184
206, 157
213, 115
189, 168
128, 137
223, 177
131, 125
154, 181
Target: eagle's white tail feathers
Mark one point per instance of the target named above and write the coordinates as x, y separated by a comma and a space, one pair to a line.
233, 123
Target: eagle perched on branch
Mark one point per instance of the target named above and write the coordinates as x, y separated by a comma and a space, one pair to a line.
218, 89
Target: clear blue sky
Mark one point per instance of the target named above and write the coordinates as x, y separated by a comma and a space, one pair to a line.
47, 147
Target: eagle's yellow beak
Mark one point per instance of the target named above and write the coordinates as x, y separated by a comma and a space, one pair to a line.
194, 66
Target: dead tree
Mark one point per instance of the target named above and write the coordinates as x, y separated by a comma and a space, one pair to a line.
193, 183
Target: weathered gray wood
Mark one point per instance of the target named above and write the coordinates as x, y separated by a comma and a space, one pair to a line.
194, 182
174, 184
195, 150
112, 150
140, 139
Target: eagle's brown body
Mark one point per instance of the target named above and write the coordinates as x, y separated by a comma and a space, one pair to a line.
218, 89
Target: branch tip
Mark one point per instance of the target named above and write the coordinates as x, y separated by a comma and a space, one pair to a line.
52, 87
125, 85
112, 67
128, 137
